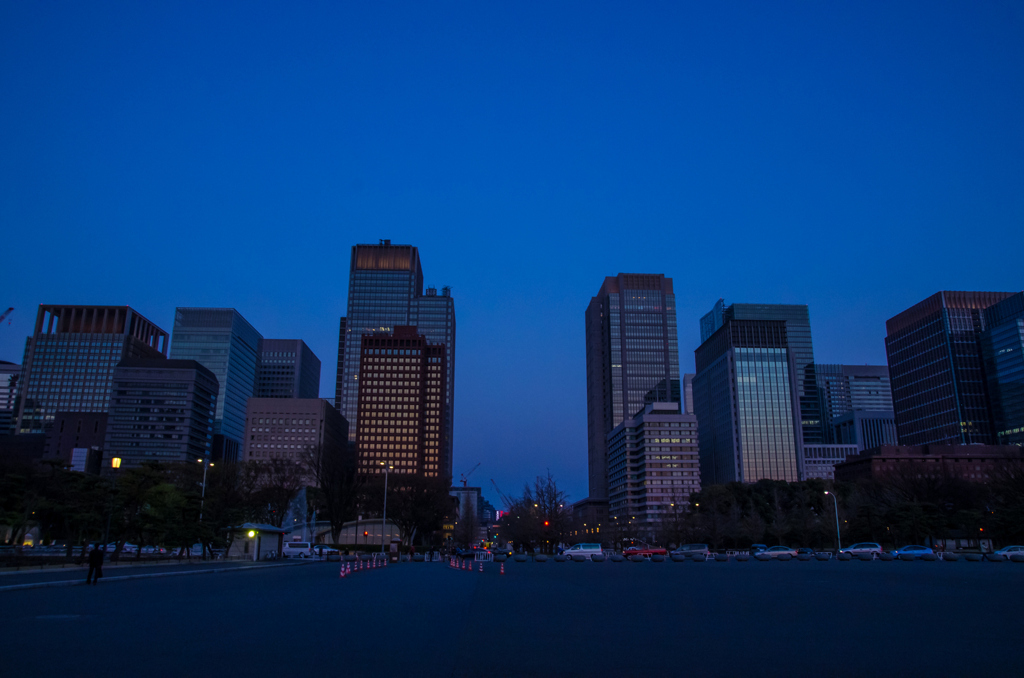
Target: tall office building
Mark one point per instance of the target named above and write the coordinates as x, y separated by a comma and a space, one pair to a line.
10, 373
161, 410
632, 347
801, 349
936, 368
70, 359
339, 373
287, 428
747, 392
288, 369
401, 416
386, 291
1002, 345
844, 389
222, 341
653, 466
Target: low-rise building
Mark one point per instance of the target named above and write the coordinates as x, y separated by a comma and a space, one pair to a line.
289, 428
976, 463
820, 460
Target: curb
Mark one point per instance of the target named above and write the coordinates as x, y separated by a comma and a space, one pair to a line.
153, 575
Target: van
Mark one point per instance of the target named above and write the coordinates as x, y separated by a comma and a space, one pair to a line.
297, 549
586, 550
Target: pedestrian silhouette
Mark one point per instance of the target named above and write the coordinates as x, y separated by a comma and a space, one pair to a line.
95, 566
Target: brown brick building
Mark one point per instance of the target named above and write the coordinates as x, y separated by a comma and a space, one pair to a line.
976, 463
402, 413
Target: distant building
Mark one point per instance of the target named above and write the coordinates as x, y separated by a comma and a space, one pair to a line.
9, 375
75, 431
401, 416
70, 359
386, 292
288, 428
1002, 345
225, 343
161, 410
865, 429
632, 347
688, 393
976, 463
653, 466
845, 388
747, 393
288, 369
937, 372
820, 460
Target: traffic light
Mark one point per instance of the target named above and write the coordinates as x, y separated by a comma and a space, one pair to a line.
545, 523
365, 533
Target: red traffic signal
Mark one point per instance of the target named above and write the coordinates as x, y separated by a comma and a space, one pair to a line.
365, 533
545, 523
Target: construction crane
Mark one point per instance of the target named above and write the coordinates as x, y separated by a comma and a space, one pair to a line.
467, 474
5, 314
504, 497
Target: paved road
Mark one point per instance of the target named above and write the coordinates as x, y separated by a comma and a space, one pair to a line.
539, 619
110, 570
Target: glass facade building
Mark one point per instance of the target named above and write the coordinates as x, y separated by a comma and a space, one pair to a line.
70, 359
936, 369
386, 291
845, 388
222, 341
1003, 350
288, 369
632, 347
746, 395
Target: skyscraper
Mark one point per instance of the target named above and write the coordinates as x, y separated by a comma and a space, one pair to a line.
9, 375
631, 347
161, 410
843, 389
401, 416
747, 395
1002, 345
936, 368
70, 359
222, 341
288, 369
386, 291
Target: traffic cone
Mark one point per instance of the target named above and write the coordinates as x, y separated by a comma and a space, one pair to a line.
481, 567
503, 567
341, 572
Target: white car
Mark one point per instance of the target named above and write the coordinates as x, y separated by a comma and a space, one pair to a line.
692, 550
297, 549
585, 550
1008, 551
863, 547
776, 551
323, 550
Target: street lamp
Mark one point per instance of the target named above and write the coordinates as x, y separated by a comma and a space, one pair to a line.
202, 500
384, 519
838, 538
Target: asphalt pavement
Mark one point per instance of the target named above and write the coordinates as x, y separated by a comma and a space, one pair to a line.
538, 619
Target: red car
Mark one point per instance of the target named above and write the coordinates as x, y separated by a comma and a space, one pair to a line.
645, 551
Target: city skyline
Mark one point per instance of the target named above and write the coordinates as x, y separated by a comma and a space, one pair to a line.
826, 158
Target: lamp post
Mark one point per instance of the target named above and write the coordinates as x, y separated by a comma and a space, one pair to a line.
202, 500
384, 519
839, 540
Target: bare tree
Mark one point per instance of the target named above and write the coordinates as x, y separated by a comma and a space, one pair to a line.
334, 472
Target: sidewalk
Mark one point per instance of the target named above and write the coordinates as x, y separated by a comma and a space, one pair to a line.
50, 578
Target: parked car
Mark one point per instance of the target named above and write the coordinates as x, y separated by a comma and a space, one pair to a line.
692, 549
323, 550
469, 552
127, 548
914, 550
501, 551
645, 551
805, 551
776, 551
586, 550
297, 549
1011, 551
862, 547
757, 548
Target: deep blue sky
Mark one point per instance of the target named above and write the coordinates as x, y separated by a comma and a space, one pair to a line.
854, 157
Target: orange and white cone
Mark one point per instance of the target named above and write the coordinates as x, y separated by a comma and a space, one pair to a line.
503, 567
481, 567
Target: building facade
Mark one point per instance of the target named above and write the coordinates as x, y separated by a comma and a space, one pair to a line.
288, 369
845, 388
937, 372
974, 463
865, 429
401, 415
288, 428
1002, 345
75, 431
747, 396
385, 292
820, 460
653, 469
70, 359
225, 343
161, 410
10, 373
632, 347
